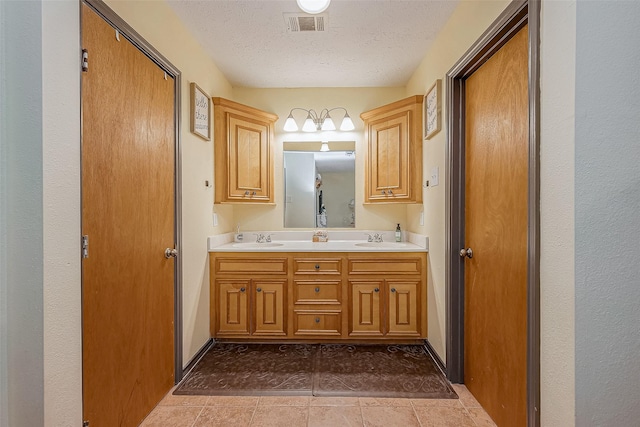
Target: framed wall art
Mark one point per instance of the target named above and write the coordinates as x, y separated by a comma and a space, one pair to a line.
200, 112
433, 110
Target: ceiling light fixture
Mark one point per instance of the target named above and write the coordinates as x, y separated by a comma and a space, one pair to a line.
316, 122
313, 6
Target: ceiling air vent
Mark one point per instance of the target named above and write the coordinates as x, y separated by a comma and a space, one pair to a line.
302, 22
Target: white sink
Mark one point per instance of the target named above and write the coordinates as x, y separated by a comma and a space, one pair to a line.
381, 245
257, 245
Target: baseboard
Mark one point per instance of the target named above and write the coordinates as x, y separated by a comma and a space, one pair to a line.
436, 358
195, 359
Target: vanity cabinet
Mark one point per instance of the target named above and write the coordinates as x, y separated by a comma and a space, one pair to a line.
243, 153
249, 297
393, 152
319, 297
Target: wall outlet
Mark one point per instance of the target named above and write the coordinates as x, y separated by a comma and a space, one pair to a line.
422, 218
215, 219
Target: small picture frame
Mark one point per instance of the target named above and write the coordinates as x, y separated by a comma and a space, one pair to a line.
433, 110
200, 112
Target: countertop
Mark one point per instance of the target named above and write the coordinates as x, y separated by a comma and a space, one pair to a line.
298, 241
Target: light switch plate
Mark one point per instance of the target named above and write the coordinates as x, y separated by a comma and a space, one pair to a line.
435, 177
422, 218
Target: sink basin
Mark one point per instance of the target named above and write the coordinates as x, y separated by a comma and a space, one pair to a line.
381, 245
257, 245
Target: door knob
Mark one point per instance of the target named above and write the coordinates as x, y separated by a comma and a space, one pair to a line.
170, 253
466, 253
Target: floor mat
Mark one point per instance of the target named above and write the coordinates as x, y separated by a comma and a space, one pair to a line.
318, 370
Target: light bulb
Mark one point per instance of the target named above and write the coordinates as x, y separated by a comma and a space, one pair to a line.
313, 6
290, 124
347, 123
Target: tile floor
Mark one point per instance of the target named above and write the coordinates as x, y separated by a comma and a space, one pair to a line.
276, 411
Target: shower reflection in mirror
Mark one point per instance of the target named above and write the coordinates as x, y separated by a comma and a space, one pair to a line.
319, 186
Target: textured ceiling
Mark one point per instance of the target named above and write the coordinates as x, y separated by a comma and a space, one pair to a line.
375, 43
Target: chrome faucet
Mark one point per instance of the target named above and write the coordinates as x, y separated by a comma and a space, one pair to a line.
262, 238
376, 237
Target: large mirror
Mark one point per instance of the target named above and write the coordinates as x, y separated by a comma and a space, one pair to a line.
319, 186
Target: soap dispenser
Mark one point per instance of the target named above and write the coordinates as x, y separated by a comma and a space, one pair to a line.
398, 234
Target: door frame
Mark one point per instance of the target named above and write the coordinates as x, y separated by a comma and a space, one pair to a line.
513, 18
147, 49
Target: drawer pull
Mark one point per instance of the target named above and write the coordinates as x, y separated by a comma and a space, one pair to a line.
317, 266
317, 289
393, 289
376, 290
260, 289
317, 320
242, 289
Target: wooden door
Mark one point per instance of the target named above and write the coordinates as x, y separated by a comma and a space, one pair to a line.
248, 151
269, 310
495, 316
403, 312
366, 308
233, 307
389, 151
128, 203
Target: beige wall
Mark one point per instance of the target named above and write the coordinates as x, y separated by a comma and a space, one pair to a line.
280, 102
153, 19
467, 23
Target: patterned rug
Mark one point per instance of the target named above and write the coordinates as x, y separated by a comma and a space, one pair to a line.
318, 370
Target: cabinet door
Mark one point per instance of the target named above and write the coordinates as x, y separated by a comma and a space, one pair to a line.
248, 158
403, 308
233, 307
366, 308
389, 158
270, 306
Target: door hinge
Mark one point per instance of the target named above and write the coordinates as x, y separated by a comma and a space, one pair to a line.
85, 60
85, 246
85, 424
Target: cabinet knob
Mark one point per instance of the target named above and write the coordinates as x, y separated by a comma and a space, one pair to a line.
317, 266
376, 290
390, 191
254, 193
242, 289
393, 289
246, 193
317, 320
259, 289
317, 289
384, 192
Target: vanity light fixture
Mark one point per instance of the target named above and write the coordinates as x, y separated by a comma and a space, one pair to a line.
313, 6
316, 122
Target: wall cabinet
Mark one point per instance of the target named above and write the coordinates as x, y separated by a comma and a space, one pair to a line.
328, 297
393, 152
243, 153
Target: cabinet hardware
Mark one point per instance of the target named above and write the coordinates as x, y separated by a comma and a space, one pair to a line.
317, 266
259, 289
393, 289
242, 289
317, 290
376, 290
317, 320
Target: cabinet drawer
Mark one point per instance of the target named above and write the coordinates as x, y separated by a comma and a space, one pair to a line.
325, 322
250, 265
317, 292
317, 265
385, 265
